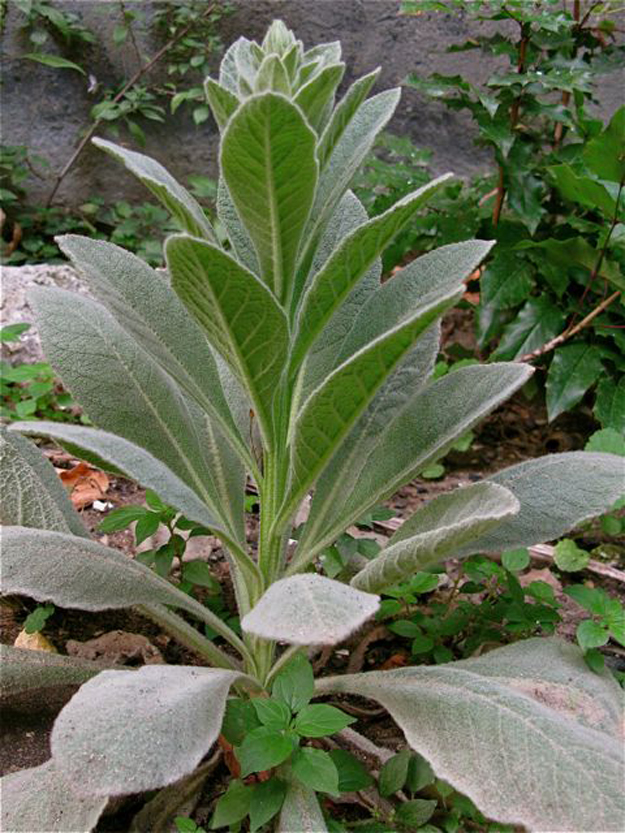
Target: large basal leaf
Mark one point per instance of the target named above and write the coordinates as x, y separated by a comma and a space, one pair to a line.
41, 800
176, 199
239, 314
145, 305
344, 160
309, 610
221, 101
269, 165
31, 670
574, 368
527, 732
343, 113
31, 494
73, 572
333, 408
129, 731
122, 389
301, 812
349, 262
556, 492
436, 531
421, 430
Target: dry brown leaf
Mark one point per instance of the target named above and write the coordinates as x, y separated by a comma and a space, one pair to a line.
84, 483
116, 648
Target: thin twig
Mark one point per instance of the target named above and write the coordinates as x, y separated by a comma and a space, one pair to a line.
567, 334
136, 77
514, 117
131, 32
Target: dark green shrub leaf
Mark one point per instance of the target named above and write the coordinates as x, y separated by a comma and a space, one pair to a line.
394, 773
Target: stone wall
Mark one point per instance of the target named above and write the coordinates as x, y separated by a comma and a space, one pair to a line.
46, 108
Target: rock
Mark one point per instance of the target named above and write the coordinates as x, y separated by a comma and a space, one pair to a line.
34, 642
17, 281
116, 648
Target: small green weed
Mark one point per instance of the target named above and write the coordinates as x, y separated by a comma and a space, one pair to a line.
30, 390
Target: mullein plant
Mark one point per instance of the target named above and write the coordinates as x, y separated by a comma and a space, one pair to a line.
271, 349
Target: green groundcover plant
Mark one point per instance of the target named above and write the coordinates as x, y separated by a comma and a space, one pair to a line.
274, 351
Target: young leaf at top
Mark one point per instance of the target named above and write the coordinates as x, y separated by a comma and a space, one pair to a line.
268, 163
176, 199
309, 610
221, 101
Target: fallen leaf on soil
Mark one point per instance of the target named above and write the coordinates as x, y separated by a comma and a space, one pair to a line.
84, 483
34, 642
116, 648
397, 660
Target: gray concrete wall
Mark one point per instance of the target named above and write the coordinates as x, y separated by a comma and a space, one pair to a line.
45, 108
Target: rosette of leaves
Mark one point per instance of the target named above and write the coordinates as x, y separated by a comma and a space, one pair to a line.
277, 353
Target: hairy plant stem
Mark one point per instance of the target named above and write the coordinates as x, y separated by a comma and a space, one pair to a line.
188, 636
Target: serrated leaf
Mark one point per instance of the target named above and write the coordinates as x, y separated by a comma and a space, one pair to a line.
556, 492
532, 717
262, 749
24, 670
317, 720
349, 262
610, 404
393, 773
222, 102
569, 557
41, 799
591, 634
352, 773
31, 493
267, 799
295, 684
309, 609
316, 770
576, 252
187, 213
269, 165
582, 189
145, 305
537, 321
130, 731
421, 430
573, 370
437, 531
301, 812
604, 153
240, 316
507, 281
